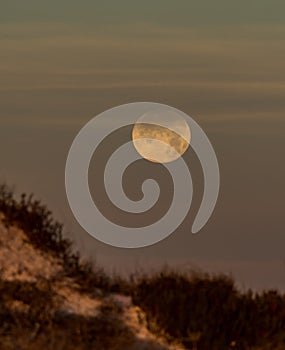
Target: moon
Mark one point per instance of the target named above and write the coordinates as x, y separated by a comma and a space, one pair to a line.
161, 136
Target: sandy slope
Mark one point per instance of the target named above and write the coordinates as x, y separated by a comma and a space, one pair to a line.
19, 260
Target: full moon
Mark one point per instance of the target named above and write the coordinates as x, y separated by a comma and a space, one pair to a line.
161, 136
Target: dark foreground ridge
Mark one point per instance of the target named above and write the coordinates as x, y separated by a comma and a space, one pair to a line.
165, 310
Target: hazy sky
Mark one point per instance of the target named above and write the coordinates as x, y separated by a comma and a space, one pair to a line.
222, 62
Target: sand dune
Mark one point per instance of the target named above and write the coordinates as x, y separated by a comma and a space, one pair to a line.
21, 262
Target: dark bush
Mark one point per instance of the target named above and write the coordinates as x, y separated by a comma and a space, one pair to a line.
199, 310
211, 310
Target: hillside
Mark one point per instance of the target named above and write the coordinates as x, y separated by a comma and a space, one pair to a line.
51, 299
43, 305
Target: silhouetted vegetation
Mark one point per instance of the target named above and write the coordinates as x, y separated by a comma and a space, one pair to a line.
211, 310
46, 234
201, 311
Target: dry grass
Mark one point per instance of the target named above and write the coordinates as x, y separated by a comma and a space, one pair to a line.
50, 299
